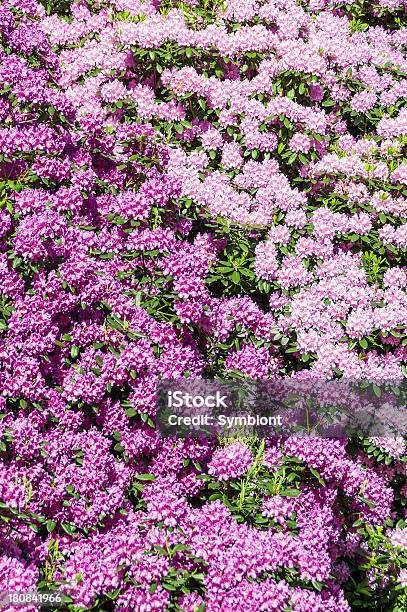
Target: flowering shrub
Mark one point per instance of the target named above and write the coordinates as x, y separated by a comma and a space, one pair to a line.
198, 189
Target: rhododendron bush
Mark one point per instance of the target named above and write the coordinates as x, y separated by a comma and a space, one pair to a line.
199, 189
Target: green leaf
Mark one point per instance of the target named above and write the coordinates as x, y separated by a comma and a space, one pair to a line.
290, 492
69, 529
215, 496
236, 277
369, 502
318, 476
179, 547
377, 391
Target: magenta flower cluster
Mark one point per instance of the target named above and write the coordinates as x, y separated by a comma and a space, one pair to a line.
188, 190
